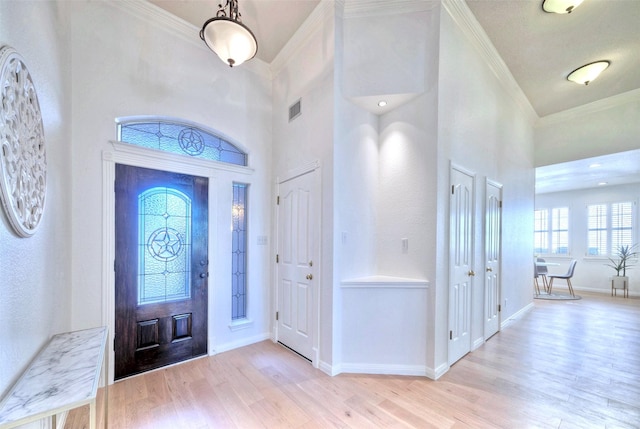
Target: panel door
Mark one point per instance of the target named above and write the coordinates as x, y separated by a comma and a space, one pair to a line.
160, 268
493, 228
297, 229
460, 263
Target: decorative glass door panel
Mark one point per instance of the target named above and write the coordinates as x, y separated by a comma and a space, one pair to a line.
164, 246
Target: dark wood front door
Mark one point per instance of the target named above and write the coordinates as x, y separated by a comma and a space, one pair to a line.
160, 268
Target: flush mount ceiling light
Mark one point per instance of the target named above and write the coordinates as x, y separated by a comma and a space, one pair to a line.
587, 73
560, 6
228, 37
382, 103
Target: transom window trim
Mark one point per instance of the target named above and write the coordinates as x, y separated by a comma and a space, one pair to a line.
125, 153
180, 137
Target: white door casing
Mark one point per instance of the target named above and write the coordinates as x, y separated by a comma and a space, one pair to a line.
493, 234
297, 263
461, 274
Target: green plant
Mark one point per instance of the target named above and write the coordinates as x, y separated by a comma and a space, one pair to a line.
626, 258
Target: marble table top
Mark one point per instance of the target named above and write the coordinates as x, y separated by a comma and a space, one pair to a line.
64, 375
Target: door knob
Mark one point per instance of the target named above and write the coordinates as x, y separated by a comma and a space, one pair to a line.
489, 269
309, 276
471, 273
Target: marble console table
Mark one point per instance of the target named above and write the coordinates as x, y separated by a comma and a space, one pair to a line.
63, 376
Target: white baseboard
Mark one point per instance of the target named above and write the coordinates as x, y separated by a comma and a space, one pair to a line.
516, 315
224, 347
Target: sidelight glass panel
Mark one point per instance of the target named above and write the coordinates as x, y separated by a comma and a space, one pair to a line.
164, 246
239, 252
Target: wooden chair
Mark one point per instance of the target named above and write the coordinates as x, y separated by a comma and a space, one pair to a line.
566, 276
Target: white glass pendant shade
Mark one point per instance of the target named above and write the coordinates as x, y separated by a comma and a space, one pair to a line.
560, 6
233, 42
588, 73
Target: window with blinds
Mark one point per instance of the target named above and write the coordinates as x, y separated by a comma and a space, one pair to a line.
551, 231
609, 227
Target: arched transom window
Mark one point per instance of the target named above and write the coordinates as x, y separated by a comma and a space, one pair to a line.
180, 138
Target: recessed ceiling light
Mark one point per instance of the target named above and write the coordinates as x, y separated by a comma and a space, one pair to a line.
587, 73
382, 103
595, 165
603, 183
560, 6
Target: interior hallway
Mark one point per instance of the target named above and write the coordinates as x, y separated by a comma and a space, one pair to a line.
565, 364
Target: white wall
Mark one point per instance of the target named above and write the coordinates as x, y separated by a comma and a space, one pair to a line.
608, 126
482, 128
35, 272
591, 273
308, 75
139, 65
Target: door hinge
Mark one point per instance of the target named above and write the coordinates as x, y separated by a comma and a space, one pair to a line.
451, 335
278, 200
452, 189
499, 308
277, 315
114, 344
500, 205
277, 258
114, 265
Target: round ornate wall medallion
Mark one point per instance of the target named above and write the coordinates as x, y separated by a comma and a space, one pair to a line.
23, 163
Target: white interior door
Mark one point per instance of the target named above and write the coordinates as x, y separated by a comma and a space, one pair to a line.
298, 220
493, 228
461, 272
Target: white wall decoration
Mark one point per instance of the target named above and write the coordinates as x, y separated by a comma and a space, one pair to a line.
23, 166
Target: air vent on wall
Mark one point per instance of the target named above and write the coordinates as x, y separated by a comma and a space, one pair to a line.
295, 110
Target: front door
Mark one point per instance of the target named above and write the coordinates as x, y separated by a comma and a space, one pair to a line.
297, 263
493, 227
160, 268
460, 263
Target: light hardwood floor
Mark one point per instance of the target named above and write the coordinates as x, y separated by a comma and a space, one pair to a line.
569, 364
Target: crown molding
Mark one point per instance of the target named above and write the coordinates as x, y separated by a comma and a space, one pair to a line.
185, 31
324, 10
363, 8
597, 106
467, 22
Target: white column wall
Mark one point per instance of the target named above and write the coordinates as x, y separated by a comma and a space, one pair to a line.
35, 285
308, 75
484, 130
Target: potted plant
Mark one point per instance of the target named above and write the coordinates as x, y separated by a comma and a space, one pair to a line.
626, 257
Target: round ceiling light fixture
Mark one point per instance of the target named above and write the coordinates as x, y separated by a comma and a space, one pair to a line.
560, 6
588, 73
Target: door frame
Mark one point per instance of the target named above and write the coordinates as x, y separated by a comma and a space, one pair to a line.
472, 280
499, 186
311, 167
137, 156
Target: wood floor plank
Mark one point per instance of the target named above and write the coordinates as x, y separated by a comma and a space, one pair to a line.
562, 365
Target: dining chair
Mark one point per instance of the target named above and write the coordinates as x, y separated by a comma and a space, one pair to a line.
567, 277
542, 271
535, 279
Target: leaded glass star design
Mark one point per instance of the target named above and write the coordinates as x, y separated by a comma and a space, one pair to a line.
165, 244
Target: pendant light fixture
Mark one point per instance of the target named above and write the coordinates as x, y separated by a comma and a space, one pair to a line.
228, 37
560, 6
587, 73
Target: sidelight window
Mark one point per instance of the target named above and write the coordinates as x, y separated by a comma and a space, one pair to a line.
239, 252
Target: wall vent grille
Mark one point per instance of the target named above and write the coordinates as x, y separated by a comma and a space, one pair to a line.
295, 110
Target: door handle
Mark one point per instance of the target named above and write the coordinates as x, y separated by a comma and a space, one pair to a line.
471, 273
309, 276
489, 269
